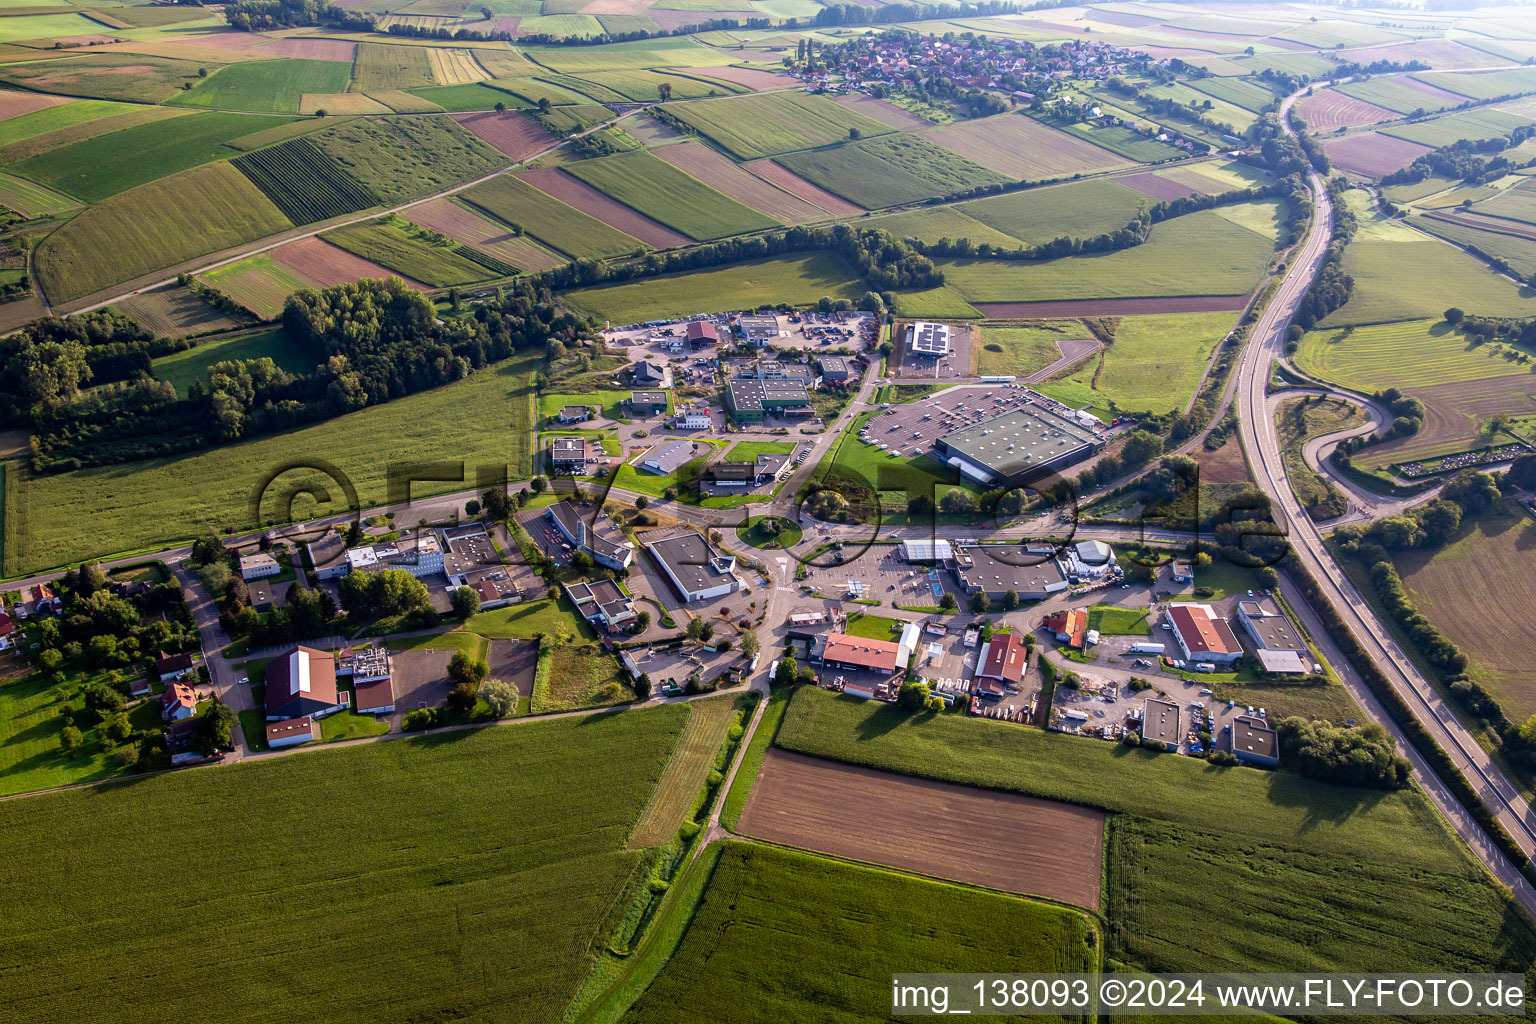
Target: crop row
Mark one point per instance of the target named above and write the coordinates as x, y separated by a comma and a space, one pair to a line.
302, 183
486, 260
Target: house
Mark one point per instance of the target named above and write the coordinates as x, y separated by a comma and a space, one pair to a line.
666, 459
759, 330
647, 374
696, 569
179, 734
575, 413
301, 682
603, 603
292, 732
257, 566
647, 403
262, 597
1254, 742
172, 666
138, 687
1002, 664
615, 554
494, 585
7, 631
835, 370
1161, 722
1069, 627
178, 701
45, 601
568, 456
701, 333
1203, 636
693, 419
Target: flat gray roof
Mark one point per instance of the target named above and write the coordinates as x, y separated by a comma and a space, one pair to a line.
668, 457
1019, 440
1253, 736
1161, 722
691, 560
928, 339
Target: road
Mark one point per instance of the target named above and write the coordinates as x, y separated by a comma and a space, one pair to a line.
1260, 441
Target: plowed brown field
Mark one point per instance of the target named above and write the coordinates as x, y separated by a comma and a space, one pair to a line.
1329, 108
998, 840
813, 194
472, 229
1373, 154
514, 134
327, 264
724, 175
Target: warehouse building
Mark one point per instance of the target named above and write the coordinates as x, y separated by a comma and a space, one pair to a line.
702, 333
696, 569
1203, 636
1033, 574
751, 401
759, 330
927, 340
1276, 642
1017, 445
835, 369
567, 519
1002, 665
666, 459
647, 403
1161, 722
1254, 742
568, 456
926, 552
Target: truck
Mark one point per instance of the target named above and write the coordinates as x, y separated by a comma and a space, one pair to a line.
1148, 648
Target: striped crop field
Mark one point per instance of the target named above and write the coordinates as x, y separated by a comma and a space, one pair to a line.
456, 67
302, 183
31, 199
482, 233
1416, 353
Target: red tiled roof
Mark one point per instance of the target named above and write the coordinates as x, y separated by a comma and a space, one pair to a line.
1006, 659
179, 693
1202, 632
878, 655
700, 329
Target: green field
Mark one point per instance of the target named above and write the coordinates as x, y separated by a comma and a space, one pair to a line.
50, 119
1023, 350
935, 302
756, 948
109, 76
562, 120
30, 199
1518, 203
675, 52
889, 170
258, 283
108, 164
1083, 209
1250, 95
1203, 253
1155, 364
402, 158
562, 227
1467, 124
1111, 620
47, 26
611, 401
939, 222
1482, 85
118, 119
302, 182
795, 279
641, 86
1395, 95
486, 419
382, 66
1519, 253
153, 227
1124, 142
1400, 274
749, 127
694, 758
472, 96
283, 131
30, 723
185, 367
1416, 353
514, 851
529, 619
1299, 849
395, 245
664, 193
267, 85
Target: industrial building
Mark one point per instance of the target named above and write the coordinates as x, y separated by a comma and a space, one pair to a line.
301, 682
647, 403
567, 456
568, 520
1278, 646
701, 333
1018, 444
861, 654
926, 552
835, 369
419, 555
667, 458
928, 340
1254, 742
750, 401
696, 569
1203, 636
1161, 722
759, 330
1033, 574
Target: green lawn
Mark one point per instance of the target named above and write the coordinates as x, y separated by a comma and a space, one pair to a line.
751, 532
800, 280
514, 849
579, 676
344, 725
267, 86
756, 948
30, 756
874, 627
528, 619
486, 419
1111, 620
631, 479
664, 193
1154, 365
192, 364
610, 400
108, 164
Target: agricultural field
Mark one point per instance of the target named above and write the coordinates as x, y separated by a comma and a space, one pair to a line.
1083, 209
797, 186
386, 66
692, 760
1416, 353
302, 183
808, 905
176, 312
1511, 242
997, 840
53, 117
109, 76
626, 219
1328, 109
771, 124
800, 280
1482, 85
1219, 110
729, 178
109, 164
120, 118
317, 261
643, 86
31, 199
514, 848
1204, 253
144, 504
1253, 96
153, 227
452, 66
1518, 203
402, 158
514, 135
1301, 847
1127, 143
1023, 349
666, 194
282, 132
475, 96
475, 229
938, 222
1373, 154
561, 227
1467, 124
1022, 148
1404, 95
397, 245
672, 52
1474, 588
1400, 274
259, 283
889, 170
1155, 364
276, 86
343, 104
182, 368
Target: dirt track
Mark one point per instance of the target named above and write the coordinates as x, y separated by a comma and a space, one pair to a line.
998, 840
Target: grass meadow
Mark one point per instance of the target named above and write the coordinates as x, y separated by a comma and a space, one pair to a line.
51, 119
1154, 365
30, 723
394, 245
664, 193
495, 890
182, 368
889, 170
769, 124
383, 66
1299, 851
108, 76
936, 222
556, 224
1024, 349
153, 227
1414, 353
1081, 209
757, 947
31, 199
486, 419
268, 86
401, 158
795, 279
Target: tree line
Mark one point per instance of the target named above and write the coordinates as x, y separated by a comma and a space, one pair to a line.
1472, 161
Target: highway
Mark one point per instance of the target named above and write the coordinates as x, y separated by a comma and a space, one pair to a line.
1438, 717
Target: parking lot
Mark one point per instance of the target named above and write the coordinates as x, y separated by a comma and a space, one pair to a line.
957, 363
420, 680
